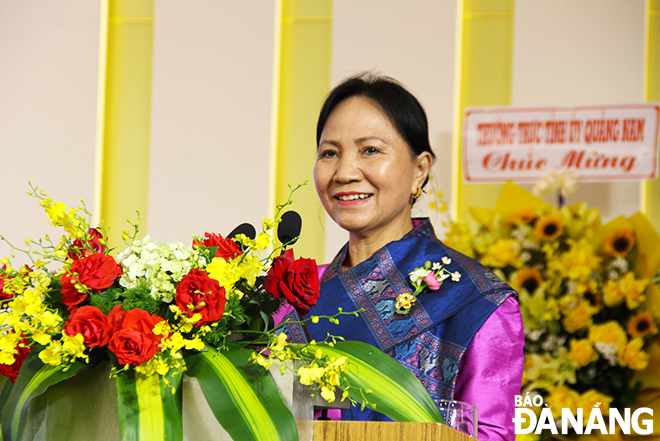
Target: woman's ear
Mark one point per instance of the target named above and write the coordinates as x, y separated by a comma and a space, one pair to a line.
424, 164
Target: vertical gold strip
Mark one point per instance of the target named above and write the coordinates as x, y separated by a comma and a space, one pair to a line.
484, 78
651, 189
304, 33
124, 114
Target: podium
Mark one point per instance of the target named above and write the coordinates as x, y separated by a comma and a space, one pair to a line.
385, 431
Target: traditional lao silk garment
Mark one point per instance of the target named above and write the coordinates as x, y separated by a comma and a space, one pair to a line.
432, 340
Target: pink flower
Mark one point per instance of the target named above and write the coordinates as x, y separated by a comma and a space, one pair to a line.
432, 281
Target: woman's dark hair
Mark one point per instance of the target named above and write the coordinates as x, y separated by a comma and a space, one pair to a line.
403, 109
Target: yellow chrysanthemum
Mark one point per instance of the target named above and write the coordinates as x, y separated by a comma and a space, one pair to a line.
619, 242
582, 352
527, 278
579, 262
610, 332
502, 253
633, 290
612, 294
633, 356
549, 226
591, 399
579, 317
641, 325
562, 397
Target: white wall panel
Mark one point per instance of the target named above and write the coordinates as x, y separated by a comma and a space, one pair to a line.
48, 94
210, 116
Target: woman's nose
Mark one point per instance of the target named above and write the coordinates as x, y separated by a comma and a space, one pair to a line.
348, 169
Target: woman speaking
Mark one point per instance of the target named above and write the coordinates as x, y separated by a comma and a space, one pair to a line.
463, 339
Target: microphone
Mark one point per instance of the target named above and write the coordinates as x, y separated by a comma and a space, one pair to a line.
246, 229
288, 230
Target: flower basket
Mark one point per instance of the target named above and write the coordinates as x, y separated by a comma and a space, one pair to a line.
589, 299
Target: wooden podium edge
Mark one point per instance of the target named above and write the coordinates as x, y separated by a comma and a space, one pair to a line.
385, 431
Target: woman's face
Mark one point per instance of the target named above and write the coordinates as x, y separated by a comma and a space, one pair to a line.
365, 172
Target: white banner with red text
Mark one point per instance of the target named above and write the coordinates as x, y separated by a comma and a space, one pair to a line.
595, 143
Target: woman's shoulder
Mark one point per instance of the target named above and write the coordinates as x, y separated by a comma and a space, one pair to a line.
470, 269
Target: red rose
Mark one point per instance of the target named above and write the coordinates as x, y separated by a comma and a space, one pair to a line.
92, 324
11, 370
134, 341
116, 317
83, 248
96, 271
227, 248
297, 281
198, 293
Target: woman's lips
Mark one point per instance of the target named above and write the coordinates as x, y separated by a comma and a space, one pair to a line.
352, 198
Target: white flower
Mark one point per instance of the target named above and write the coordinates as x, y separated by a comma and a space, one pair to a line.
456, 276
442, 276
446, 260
436, 266
418, 275
160, 268
607, 350
525, 256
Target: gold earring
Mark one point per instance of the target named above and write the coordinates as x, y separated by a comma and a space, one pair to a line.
418, 193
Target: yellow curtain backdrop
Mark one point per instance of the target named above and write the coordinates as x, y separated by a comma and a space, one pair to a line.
484, 59
651, 189
124, 114
301, 81
650, 397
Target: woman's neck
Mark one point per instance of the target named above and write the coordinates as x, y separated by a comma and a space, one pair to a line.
362, 246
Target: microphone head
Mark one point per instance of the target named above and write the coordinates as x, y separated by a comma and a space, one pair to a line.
246, 229
289, 228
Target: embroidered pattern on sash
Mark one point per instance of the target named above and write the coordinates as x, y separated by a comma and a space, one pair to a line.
434, 361
375, 290
294, 331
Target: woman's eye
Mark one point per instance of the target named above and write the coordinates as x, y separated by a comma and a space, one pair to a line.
370, 150
328, 154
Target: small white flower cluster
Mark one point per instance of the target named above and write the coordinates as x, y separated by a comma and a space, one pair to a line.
160, 267
418, 275
608, 351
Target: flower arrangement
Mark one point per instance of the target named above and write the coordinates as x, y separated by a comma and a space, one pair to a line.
157, 312
583, 288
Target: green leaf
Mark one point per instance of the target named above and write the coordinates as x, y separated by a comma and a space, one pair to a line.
33, 380
396, 392
6, 391
147, 408
242, 396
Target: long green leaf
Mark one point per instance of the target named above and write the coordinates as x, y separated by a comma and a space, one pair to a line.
395, 391
242, 396
34, 379
6, 391
147, 408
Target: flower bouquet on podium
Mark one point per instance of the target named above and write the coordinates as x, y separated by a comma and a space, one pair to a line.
158, 312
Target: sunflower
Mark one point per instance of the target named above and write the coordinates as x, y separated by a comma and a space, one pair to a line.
619, 242
641, 325
550, 226
528, 278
